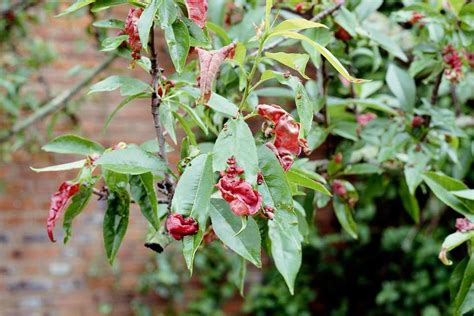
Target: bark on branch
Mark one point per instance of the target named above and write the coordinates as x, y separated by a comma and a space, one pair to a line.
167, 187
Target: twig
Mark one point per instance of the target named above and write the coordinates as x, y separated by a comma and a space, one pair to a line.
56, 103
434, 96
454, 97
167, 186
321, 15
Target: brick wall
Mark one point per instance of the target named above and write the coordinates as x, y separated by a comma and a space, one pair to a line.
36, 276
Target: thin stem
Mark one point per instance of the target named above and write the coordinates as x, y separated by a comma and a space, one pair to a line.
434, 95
252, 73
454, 97
167, 186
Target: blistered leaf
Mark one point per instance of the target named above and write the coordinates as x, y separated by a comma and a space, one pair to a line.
59, 201
197, 11
210, 62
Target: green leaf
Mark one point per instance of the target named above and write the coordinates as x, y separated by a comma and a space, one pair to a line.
347, 20
344, 216
131, 160
296, 24
142, 190
111, 43
222, 105
76, 6
146, 21
465, 194
122, 104
441, 185
304, 107
167, 120
167, 13
128, 86
402, 86
294, 61
362, 168
226, 224
220, 32
268, 11
109, 24
197, 36
303, 180
285, 244
452, 241
385, 42
177, 39
78, 203
323, 51
456, 5
192, 198
465, 286
236, 140
73, 144
100, 5
62, 167
195, 117
409, 201
117, 214
186, 128
275, 189
367, 7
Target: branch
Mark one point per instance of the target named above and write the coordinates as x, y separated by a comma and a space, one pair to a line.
454, 97
56, 103
321, 15
167, 186
434, 96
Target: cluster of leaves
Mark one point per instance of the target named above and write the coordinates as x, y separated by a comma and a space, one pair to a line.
399, 127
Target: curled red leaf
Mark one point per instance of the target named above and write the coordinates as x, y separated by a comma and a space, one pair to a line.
464, 225
178, 226
364, 119
243, 199
58, 203
339, 188
417, 121
286, 143
131, 29
210, 63
197, 11
453, 61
